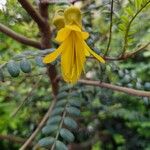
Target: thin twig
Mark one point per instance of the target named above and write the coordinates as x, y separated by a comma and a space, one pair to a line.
126, 55
18, 37
130, 54
110, 29
116, 88
12, 138
40, 125
26, 98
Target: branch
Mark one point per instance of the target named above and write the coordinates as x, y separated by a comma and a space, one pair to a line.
110, 29
32, 12
45, 40
20, 38
126, 55
130, 54
12, 138
40, 125
15, 139
116, 88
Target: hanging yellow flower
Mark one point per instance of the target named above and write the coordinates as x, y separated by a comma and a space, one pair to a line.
73, 48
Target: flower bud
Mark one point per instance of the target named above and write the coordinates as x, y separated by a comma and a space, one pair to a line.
72, 15
58, 20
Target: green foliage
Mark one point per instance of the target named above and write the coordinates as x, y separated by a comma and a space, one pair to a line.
83, 114
126, 26
61, 117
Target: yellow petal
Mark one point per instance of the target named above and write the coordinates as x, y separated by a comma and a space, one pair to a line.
67, 59
85, 35
81, 37
73, 27
52, 56
94, 54
62, 34
72, 59
80, 56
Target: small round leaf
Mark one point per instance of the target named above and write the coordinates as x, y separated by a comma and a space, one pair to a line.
60, 146
67, 135
69, 122
39, 61
13, 68
25, 66
46, 142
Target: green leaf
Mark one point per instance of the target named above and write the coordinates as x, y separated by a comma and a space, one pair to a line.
62, 95
69, 122
54, 120
65, 88
57, 110
60, 146
46, 142
75, 103
137, 4
130, 11
125, 19
122, 27
13, 68
39, 61
67, 135
48, 129
73, 111
25, 65
61, 103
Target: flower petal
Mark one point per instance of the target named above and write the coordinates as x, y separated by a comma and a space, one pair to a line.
67, 59
72, 59
73, 27
93, 53
80, 56
82, 37
52, 56
62, 34
85, 35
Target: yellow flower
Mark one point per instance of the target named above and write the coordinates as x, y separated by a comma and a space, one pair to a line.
73, 50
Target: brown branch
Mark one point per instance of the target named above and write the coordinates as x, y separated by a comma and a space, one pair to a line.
20, 38
15, 139
40, 125
130, 54
12, 138
116, 88
32, 12
45, 40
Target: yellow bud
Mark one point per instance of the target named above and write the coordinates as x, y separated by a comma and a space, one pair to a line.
72, 15
58, 21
